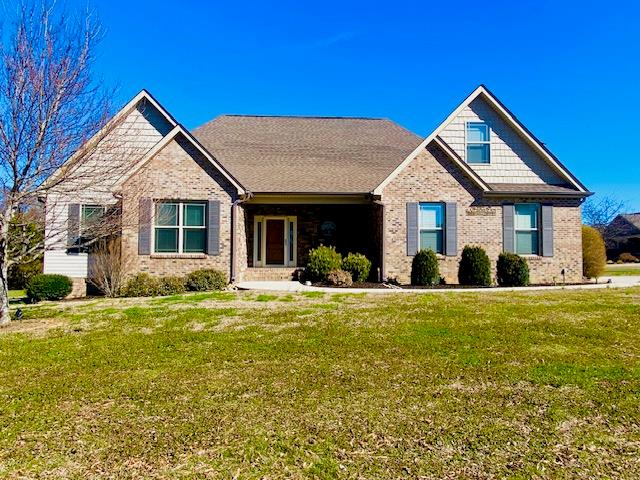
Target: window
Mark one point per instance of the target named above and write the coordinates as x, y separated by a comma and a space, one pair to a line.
90, 216
478, 143
431, 223
180, 228
526, 223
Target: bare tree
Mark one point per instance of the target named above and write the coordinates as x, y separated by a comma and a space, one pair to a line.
599, 212
50, 105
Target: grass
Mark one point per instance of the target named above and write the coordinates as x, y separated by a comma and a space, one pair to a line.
622, 269
439, 385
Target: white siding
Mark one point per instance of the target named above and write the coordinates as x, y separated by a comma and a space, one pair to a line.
61, 262
513, 160
92, 182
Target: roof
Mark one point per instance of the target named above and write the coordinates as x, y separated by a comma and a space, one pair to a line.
278, 154
533, 188
625, 224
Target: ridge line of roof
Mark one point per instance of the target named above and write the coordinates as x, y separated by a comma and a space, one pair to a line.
319, 117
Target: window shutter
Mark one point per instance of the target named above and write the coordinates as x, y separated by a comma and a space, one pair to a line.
213, 227
144, 226
73, 224
547, 230
451, 229
412, 229
508, 232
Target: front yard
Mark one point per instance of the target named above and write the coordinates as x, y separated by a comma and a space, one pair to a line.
241, 385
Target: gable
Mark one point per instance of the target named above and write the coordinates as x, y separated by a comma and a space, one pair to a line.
513, 159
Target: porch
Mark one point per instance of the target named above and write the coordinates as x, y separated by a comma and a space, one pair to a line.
280, 235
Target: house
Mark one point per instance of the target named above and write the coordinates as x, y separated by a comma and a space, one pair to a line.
623, 235
250, 195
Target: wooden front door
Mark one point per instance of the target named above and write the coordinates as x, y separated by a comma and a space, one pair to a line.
275, 242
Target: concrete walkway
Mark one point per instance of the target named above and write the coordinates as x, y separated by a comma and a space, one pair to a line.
292, 286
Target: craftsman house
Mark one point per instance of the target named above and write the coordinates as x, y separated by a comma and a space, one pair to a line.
250, 194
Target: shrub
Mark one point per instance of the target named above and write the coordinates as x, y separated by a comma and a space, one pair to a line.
206, 280
627, 257
43, 286
513, 270
171, 285
594, 254
358, 266
475, 267
339, 278
424, 268
141, 285
321, 261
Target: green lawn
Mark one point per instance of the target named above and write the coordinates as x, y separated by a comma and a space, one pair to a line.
244, 385
622, 269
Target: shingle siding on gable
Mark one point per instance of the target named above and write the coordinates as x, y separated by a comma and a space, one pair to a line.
513, 160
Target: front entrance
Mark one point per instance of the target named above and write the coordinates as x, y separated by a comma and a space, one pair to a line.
276, 241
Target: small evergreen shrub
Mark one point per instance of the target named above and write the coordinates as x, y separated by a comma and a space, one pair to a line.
358, 266
171, 285
424, 268
339, 278
627, 257
141, 285
46, 286
321, 261
513, 270
475, 267
205, 280
594, 254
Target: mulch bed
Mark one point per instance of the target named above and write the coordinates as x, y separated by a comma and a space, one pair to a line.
374, 285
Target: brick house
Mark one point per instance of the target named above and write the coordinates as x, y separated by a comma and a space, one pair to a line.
250, 195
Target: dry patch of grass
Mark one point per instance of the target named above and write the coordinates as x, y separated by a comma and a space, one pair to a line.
241, 385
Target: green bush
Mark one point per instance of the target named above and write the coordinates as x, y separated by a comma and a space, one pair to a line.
475, 267
627, 257
44, 286
594, 253
171, 285
513, 270
339, 278
321, 261
358, 266
206, 280
424, 268
141, 285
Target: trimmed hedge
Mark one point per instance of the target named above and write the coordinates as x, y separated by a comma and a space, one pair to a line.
627, 257
513, 270
141, 285
171, 285
321, 261
424, 268
205, 280
46, 286
594, 253
358, 266
475, 267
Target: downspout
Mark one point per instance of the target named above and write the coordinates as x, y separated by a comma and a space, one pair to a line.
234, 208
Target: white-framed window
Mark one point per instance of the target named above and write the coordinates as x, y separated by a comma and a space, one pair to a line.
180, 227
89, 216
478, 142
431, 225
527, 228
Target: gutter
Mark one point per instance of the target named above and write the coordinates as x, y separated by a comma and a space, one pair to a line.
234, 208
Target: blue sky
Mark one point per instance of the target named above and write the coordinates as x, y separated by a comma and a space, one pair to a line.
568, 70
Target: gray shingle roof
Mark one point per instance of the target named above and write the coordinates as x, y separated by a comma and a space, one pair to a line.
532, 188
307, 154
